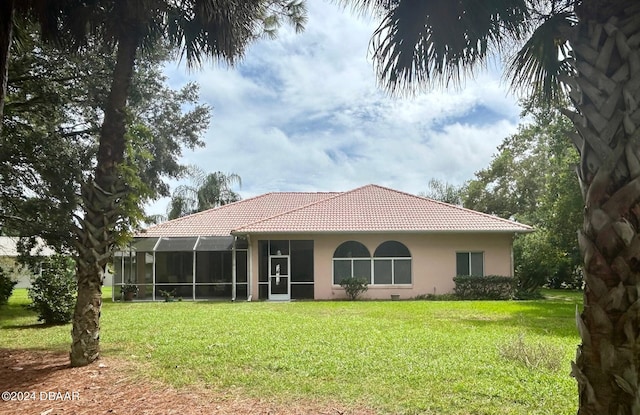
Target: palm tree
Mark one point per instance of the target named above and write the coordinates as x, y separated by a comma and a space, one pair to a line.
7, 11
200, 28
207, 191
58, 21
588, 50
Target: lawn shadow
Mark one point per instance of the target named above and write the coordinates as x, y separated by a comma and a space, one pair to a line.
30, 326
13, 311
548, 319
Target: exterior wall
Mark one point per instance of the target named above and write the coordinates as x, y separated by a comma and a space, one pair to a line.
433, 260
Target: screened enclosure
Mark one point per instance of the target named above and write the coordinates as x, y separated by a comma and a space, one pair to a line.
189, 268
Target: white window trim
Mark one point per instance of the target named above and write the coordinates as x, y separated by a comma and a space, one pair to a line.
393, 270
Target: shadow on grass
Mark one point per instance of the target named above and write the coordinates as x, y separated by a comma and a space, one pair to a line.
31, 326
12, 311
544, 318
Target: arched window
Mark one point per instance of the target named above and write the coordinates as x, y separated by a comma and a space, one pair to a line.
392, 264
351, 259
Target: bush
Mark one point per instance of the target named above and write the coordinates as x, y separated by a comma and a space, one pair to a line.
437, 297
538, 355
53, 292
6, 287
354, 287
491, 287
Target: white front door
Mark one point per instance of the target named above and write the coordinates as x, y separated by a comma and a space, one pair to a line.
279, 277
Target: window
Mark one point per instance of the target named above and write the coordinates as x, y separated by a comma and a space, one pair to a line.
470, 263
392, 264
351, 259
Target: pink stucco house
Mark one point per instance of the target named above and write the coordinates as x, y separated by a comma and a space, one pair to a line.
296, 245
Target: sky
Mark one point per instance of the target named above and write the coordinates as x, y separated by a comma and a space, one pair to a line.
304, 112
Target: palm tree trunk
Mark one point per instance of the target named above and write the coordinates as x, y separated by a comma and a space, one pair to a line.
606, 94
6, 33
101, 201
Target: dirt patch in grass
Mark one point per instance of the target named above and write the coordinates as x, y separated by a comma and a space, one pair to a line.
43, 383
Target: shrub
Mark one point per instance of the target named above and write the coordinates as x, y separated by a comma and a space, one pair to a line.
437, 297
53, 292
491, 287
6, 287
533, 355
354, 287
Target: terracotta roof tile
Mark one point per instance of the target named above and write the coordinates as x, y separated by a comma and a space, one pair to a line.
222, 220
369, 208
375, 208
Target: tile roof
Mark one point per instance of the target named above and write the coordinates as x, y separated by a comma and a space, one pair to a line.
375, 208
222, 220
369, 208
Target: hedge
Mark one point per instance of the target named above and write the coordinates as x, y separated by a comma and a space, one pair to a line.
490, 287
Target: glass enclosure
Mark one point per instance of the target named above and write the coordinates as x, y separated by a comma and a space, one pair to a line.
190, 268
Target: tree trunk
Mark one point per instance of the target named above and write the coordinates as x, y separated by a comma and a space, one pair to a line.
606, 92
6, 34
101, 201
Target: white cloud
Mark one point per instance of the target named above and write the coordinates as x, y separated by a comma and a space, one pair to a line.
304, 112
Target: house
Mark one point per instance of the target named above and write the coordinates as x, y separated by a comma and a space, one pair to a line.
22, 275
295, 245
9, 259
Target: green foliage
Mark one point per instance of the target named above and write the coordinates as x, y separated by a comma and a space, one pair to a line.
437, 297
6, 287
445, 192
167, 295
490, 287
53, 292
354, 287
536, 260
532, 179
129, 288
55, 107
207, 191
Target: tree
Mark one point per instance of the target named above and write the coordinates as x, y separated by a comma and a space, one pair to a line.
200, 29
52, 126
532, 179
589, 50
51, 129
208, 191
444, 192
59, 21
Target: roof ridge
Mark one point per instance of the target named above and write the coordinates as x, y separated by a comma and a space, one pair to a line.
334, 195
400, 192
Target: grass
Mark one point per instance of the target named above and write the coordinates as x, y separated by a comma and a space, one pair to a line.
398, 356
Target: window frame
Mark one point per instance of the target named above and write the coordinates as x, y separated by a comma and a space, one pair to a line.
406, 256
372, 264
470, 262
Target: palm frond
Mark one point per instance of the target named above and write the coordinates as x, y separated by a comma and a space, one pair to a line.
544, 60
425, 43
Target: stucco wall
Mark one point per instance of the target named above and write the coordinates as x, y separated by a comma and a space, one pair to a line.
433, 260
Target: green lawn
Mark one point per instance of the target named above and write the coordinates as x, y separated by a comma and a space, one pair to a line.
398, 356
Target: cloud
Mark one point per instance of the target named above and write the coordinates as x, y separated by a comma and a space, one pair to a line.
304, 113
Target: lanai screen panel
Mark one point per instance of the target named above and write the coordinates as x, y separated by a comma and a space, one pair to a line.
176, 244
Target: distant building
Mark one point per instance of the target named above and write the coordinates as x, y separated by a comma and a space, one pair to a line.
9, 255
